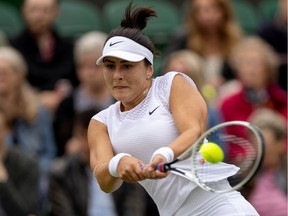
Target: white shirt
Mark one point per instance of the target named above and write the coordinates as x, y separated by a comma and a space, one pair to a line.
144, 129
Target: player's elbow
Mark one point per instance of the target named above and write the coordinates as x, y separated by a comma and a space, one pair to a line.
196, 131
110, 186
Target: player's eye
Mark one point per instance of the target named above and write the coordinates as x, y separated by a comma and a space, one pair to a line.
127, 66
109, 66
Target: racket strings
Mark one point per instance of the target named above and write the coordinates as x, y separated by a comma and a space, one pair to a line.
239, 151
243, 158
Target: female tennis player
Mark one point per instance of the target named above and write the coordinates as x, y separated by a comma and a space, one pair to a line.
154, 120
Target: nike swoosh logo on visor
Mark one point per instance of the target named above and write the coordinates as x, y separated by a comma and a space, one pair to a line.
151, 112
112, 44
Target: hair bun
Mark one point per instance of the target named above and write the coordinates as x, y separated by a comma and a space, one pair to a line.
137, 18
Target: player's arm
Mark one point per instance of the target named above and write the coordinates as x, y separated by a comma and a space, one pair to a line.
101, 153
189, 111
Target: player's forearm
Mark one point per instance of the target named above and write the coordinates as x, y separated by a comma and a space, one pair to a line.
185, 140
106, 182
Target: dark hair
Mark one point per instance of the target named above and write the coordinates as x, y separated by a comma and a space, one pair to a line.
83, 118
132, 25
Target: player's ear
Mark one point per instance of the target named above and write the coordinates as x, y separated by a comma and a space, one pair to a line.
150, 72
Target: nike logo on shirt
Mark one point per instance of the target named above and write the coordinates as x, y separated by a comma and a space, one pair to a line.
151, 112
112, 44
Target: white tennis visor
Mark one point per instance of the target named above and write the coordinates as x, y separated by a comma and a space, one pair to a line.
126, 49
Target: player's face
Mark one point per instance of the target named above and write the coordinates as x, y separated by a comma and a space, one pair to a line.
9, 78
39, 15
127, 81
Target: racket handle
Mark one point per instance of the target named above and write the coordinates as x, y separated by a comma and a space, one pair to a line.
161, 167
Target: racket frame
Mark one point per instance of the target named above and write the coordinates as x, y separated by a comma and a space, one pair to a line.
192, 152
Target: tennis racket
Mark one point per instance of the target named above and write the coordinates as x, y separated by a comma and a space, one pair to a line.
243, 147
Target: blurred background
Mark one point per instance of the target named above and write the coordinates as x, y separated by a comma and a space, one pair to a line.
234, 50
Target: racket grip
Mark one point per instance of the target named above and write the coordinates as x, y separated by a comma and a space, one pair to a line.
161, 167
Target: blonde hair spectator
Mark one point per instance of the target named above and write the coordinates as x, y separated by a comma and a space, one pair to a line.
89, 43
191, 64
267, 118
31, 128
90, 93
229, 29
188, 62
272, 179
256, 44
26, 101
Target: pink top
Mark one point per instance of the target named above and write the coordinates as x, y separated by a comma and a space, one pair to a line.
267, 198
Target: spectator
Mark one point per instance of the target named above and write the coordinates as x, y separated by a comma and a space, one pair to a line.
275, 33
256, 66
73, 190
32, 129
272, 179
91, 92
48, 55
19, 177
210, 30
191, 64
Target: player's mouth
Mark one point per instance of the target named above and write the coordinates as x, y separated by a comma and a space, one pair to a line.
119, 87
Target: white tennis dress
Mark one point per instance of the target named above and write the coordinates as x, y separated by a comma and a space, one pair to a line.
144, 129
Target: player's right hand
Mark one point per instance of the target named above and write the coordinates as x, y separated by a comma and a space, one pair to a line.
129, 169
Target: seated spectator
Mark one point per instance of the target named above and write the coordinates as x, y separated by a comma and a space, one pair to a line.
48, 55
73, 190
31, 130
191, 64
211, 31
19, 177
268, 193
32, 126
91, 92
255, 64
274, 32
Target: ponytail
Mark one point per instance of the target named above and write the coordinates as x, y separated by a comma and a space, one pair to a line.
132, 24
137, 19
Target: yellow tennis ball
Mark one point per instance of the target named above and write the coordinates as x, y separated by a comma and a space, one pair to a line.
212, 152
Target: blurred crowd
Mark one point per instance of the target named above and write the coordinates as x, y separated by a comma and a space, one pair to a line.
50, 87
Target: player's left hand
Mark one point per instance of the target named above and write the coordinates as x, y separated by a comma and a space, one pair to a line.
150, 171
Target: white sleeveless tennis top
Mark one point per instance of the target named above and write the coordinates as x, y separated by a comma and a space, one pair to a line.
144, 129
